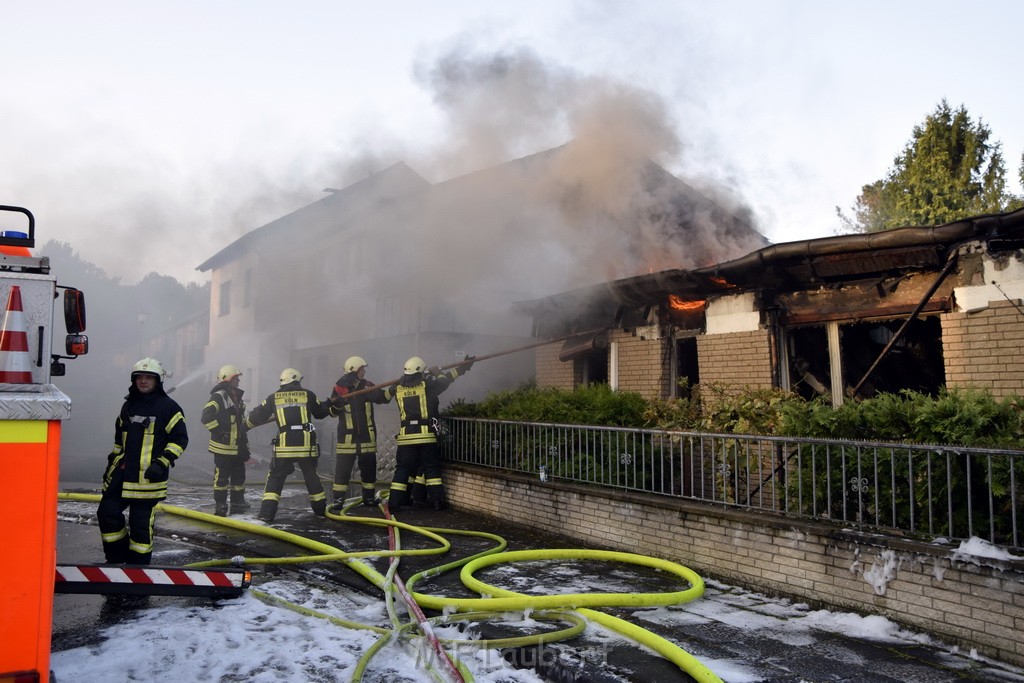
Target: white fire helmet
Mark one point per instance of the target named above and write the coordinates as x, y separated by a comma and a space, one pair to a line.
290, 375
353, 363
150, 366
228, 372
414, 365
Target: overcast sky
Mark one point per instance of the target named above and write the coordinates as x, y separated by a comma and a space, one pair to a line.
150, 135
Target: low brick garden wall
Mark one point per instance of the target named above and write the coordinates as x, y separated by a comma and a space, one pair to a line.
971, 602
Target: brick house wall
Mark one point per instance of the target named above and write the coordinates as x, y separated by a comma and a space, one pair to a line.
736, 359
983, 348
552, 372
643, 364
974, 603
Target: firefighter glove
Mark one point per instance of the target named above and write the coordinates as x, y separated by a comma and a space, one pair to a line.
469, 363
157, 470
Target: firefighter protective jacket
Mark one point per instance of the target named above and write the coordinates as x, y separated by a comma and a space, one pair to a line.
293, 409
149, 427
224, 416
357, 429
418, 404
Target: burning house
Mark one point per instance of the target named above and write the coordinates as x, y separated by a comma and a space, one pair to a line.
846, 316
394, 265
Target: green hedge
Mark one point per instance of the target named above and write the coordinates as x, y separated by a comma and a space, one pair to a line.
963, 417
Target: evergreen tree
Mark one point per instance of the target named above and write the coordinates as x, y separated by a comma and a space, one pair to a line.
950, 169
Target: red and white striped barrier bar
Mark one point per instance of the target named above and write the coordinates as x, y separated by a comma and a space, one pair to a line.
110, 579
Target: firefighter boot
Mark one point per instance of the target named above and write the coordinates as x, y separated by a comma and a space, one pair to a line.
338, 492
319, 507
116, 552
398, 498
135, 557
418, 491
238, 504
435, 494
220, 502
370, 497
268, 510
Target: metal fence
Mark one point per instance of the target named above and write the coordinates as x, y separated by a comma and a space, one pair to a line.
922, 491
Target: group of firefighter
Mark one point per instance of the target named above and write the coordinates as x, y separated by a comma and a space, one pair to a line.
150, 435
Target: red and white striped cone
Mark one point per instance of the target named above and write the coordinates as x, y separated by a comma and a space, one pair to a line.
15, 360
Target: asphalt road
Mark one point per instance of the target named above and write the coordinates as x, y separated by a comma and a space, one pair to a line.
821, 656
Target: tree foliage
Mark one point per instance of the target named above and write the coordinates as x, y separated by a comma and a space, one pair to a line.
950, 169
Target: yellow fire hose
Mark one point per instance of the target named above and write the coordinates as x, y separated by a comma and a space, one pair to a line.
500, 604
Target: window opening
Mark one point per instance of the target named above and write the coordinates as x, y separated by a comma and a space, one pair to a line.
915, 362
687, 375
591, 368
224, 305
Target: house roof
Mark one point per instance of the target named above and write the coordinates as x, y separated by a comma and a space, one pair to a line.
788, 266
339, 205
686, 218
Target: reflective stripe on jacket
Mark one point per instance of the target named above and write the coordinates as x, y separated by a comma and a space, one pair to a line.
417, 398
293, 409
224, 417
357, 427
149, 427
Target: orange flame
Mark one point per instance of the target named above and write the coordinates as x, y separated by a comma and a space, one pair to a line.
721, 281
684, 305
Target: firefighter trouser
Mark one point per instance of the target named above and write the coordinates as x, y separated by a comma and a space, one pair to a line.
343, 472
410, 458
229, 478
279, 471
131, 543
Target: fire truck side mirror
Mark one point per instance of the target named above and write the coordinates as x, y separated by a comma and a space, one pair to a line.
74, 312
76, 345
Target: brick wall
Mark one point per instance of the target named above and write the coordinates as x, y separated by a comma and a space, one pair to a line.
552, 372
974, 605
643, 364
737, 359
984, 348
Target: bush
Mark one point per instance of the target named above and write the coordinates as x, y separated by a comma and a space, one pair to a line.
962, 417
594, 404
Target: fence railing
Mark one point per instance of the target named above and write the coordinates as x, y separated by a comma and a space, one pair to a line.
919, 490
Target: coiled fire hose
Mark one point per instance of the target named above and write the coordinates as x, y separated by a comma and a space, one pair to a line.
573, 609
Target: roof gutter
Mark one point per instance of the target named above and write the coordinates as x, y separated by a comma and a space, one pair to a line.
900, 238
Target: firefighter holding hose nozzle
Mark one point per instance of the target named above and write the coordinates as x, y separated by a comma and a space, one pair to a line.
417, 397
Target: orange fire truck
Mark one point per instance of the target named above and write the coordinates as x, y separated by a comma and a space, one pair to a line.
31, 411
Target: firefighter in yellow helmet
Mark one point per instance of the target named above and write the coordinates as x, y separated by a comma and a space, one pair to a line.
357, 433
293, 409
149, 436
417, 396
224, 416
